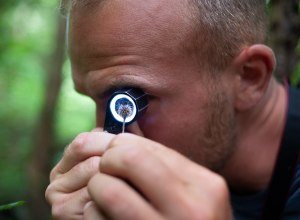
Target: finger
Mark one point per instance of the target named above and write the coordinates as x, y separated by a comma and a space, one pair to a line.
145, 171
118, 200
84, 146
163, 176
78, 176
174, 160
69, 206
91, 212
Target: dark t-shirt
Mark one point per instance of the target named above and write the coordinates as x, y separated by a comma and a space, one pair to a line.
250, 207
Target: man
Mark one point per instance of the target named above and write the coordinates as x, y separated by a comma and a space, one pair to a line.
215, 117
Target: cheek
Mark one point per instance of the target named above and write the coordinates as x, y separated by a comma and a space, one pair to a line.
176, 126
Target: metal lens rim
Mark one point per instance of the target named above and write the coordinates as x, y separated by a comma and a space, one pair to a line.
115, 114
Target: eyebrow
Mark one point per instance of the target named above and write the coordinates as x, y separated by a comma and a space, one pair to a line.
114, 84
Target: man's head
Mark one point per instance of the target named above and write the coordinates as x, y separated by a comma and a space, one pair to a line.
227, 25
195, 59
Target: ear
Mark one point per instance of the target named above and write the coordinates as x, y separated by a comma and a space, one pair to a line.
254, 67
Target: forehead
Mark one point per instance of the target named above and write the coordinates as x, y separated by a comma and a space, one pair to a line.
134, 11
128, 23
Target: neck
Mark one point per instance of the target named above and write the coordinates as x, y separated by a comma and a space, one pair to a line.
258, 141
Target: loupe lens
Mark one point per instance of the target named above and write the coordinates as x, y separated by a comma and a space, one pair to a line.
123, 107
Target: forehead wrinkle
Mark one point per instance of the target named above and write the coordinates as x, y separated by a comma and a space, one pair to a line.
103, 62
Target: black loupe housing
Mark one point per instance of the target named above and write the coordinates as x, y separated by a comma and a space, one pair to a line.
124, 106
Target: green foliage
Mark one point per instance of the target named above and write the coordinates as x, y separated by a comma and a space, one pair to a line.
27, 31
268, 3
295, 79
76, 113
11, 205
21, 88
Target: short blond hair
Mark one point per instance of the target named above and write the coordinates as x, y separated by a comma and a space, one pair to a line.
221, 27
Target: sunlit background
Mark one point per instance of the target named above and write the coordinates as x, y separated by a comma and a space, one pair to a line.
40, 113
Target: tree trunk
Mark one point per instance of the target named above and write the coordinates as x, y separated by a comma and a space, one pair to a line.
39, 165
285, 33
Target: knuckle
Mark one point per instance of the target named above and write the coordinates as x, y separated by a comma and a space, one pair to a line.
77, 145
53, 175
220, 187
56, 209
216, 181
51, 193
60, 208
220, 194
58, 212
48, 194
217, 191
134, 156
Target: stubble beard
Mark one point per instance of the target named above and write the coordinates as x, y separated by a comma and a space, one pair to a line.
218, 142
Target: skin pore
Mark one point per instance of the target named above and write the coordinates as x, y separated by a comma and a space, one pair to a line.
119, 44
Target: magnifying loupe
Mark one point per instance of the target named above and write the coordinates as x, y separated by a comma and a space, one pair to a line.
123, 108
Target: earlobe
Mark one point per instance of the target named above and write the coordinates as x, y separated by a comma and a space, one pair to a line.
255, 66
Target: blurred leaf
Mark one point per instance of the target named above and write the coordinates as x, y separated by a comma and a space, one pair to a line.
76, 113
295, 79
11, 205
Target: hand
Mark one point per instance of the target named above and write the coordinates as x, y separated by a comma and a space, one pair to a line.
141, 179
67, 191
